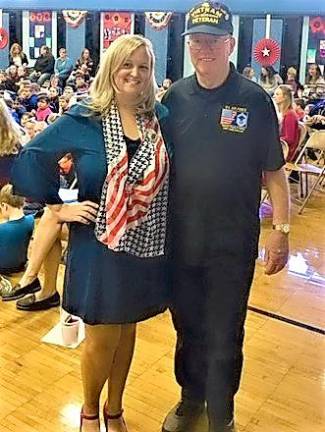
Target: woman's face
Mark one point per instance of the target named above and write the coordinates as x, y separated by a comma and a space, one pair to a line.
278, 96
312, 70
134, 75
86, 54
16, 50
264, 71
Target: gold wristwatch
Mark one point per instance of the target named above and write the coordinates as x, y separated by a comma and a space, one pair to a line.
284, 228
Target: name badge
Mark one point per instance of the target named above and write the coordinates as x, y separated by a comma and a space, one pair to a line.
234, 118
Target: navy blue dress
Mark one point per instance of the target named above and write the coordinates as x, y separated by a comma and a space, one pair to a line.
101, 286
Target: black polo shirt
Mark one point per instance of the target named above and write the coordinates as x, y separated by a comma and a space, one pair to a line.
223, 140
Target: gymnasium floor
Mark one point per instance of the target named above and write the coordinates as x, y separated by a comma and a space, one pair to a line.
283, 386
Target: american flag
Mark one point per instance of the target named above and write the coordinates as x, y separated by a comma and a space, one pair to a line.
227, 116
127, 204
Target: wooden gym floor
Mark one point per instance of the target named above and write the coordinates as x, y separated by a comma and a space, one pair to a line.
283, 386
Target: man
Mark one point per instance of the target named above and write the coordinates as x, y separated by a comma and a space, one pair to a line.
225, 135
63, 66
44, 66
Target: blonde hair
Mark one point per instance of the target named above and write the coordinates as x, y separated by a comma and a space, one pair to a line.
292, 71
287, 94
103, 88
10, 134
13, 47
7, 197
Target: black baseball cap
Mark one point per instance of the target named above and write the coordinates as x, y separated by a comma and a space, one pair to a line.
211, 18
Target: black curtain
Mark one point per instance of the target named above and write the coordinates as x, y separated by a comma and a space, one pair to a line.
291, 44
15, 26
175, 53
61, 33
92, 40
245, 42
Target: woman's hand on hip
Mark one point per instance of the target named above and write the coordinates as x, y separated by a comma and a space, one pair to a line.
83, 212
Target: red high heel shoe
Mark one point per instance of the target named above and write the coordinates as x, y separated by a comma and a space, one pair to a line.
108, 417
84, 416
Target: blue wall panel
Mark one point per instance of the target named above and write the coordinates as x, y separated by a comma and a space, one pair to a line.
75, 40
159, 39
259, 33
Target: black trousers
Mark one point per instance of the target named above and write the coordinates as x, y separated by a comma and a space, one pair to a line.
209, 311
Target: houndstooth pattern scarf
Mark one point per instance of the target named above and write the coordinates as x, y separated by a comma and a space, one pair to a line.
132, 213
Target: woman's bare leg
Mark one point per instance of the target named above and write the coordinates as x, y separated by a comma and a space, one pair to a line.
98, 354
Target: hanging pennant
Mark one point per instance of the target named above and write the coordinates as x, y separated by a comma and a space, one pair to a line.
158, 20
73, 17
267, 52
115, 24
4, 38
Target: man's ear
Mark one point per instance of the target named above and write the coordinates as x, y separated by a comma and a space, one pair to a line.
232, 44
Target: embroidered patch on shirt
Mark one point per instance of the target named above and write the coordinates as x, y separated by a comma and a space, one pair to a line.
234, 118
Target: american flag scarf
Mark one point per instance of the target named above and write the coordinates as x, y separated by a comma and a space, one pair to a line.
132, 214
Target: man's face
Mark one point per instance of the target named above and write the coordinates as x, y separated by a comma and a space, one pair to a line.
62, 53
209, 52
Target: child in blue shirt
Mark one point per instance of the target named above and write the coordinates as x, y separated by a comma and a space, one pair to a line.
15, 232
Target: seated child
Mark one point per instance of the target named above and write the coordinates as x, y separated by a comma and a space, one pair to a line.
15, 232
43, 110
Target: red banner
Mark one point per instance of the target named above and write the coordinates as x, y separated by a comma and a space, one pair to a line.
114, 25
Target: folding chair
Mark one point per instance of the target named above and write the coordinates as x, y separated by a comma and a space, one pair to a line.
316, 141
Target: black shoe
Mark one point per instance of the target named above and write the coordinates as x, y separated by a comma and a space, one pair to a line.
183, 416
19, 292
30, 304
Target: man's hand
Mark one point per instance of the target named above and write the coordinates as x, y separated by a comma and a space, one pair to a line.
276, 252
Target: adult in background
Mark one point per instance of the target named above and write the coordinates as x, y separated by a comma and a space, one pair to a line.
249, 73
16, 56
116, 271
269, 79
63, 66
85, 59
226, 136
44, 66
289, 129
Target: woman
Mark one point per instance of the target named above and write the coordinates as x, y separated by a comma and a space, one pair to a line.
315, 83
16, 56
269, 79
85, 59
10, 142
292, 81
116, 268
289, 129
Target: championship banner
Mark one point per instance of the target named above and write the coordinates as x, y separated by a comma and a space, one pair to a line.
113, 25
39, 28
